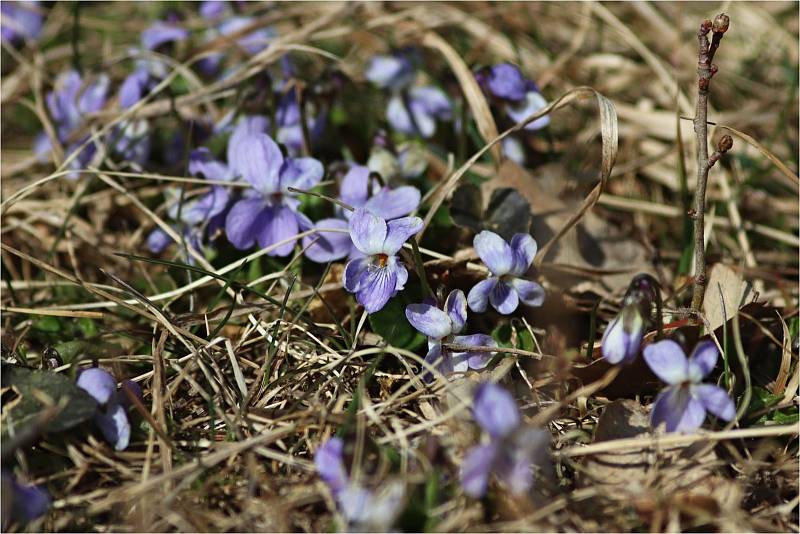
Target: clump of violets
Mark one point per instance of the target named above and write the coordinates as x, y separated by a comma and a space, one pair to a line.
683, 404
70, 101
505, 288
512, 450
21, 21
112, 410
411, 110
358, 190
441, 326
362, 509
268, 213
22, 503
379, 274
623, 336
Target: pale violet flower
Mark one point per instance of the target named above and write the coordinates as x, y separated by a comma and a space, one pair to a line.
268, 213
683, 404
358, 190
624, 333
21, 21
426, 104
517, 95
362, 508
112, 411
22, 502
513, 450
390, 72
505, 288
379, 274
441, 326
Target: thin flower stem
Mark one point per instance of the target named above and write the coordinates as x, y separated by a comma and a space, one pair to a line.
338, 202
455, 347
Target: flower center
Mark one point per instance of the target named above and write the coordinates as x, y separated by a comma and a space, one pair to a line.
381, 260
277, 197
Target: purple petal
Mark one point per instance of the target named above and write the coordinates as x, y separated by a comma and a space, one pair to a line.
529, 293
456, 306
394, 203
472, 359
478, 297
353, 271
201, 209
375, 287
21, 20
495, 410
133, 88
158, 240
495, 252
398, 117
429, 320
211, 9
329, 461
244, 221
356, 503
93, 97
203, 163
115, 426
368, 231
476, 468
301, 173
258, 160
324, 247
513, 149
703, 360
402, 275
28, 502
515, 466
506, 81
667, 361
715, 400
524, 247
389, 71
98, 383
354, 187
440, 362
278, 225
160, 33
398, 231
432, 100
503, 298
676, 408
42, 147
532, 103
133, 388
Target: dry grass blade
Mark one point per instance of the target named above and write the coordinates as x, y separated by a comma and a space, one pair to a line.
791, 179
472, 92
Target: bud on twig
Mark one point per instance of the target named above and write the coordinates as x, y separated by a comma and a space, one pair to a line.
723, 145
721, 23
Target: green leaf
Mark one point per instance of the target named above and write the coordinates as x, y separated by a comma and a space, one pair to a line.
47, 323
391, 324
22, 404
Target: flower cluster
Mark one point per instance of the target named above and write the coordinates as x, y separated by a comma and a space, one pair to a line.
441, 326
683, 404
513, 449
411, 110
112, 405
362, 508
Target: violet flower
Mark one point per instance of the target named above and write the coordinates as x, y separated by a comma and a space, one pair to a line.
289, 127
441, 326
513, 448
378, 275
426, 106
23, 502
518, 96
268, 212
362, 508
68, 103
393, 72
683, 404
505, 288
21, 21
359, 191
623, 336
200, 216
112, 416
227, 24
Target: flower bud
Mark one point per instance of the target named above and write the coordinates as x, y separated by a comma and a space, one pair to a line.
721, 23
725, 143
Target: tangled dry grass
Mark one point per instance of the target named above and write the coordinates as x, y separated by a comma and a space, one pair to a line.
247, 370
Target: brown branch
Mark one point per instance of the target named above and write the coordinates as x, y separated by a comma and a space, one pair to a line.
705, 71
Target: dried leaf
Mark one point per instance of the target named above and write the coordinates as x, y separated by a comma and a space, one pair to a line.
726, 293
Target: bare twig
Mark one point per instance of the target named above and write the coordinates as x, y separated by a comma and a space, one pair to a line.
705, 71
